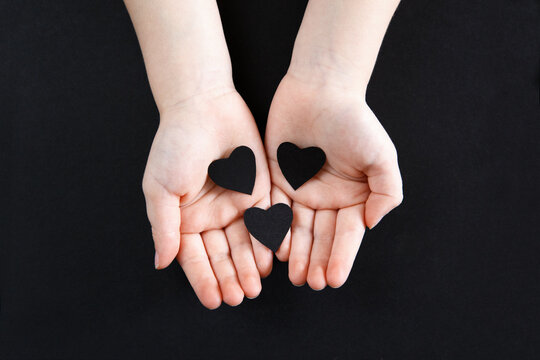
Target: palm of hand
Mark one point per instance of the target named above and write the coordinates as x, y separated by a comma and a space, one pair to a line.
193, 217
358, 184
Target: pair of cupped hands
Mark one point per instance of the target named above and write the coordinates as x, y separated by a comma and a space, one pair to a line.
201, 224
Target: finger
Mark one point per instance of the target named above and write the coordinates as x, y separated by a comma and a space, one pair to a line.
278, 196
301, 241
194, 261
163, 209
386, 187
350, 229
263, 255
219, 254
323, 236
243, 258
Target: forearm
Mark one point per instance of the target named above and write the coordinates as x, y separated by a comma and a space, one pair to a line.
183, 47
341, 39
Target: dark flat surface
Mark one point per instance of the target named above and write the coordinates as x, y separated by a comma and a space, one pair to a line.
453, 273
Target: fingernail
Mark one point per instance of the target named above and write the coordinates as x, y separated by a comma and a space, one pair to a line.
156, 261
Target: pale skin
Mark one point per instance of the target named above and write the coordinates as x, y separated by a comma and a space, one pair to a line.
202, 118
321, 102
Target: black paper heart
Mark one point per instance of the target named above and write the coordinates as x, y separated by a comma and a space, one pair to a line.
237, 172
270, 226
299, 165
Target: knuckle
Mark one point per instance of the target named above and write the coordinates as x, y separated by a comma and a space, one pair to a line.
220, 258
398, 199
148, 187
191, 260
301, 229
206, 282
324, 236
242, 248
298, 267
245, 270
264, 263
164, 235
230, 279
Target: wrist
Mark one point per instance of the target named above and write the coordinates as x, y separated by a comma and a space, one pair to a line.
183, 88
184, 48
327, 68
196, 101
338, 41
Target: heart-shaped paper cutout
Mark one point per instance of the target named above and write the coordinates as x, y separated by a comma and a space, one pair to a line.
237, 172
270, 226
299, 165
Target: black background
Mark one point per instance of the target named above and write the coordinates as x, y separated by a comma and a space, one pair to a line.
452, 273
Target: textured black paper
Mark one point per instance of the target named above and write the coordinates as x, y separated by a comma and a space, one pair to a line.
237, 172
270, 226
299, 165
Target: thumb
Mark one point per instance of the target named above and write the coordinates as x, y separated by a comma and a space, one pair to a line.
163, 209
386, 191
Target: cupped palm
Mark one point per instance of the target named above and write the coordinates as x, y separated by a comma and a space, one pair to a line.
359, 183
192, 218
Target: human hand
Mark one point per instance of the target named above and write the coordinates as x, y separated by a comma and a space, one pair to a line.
195, 220
359, 183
